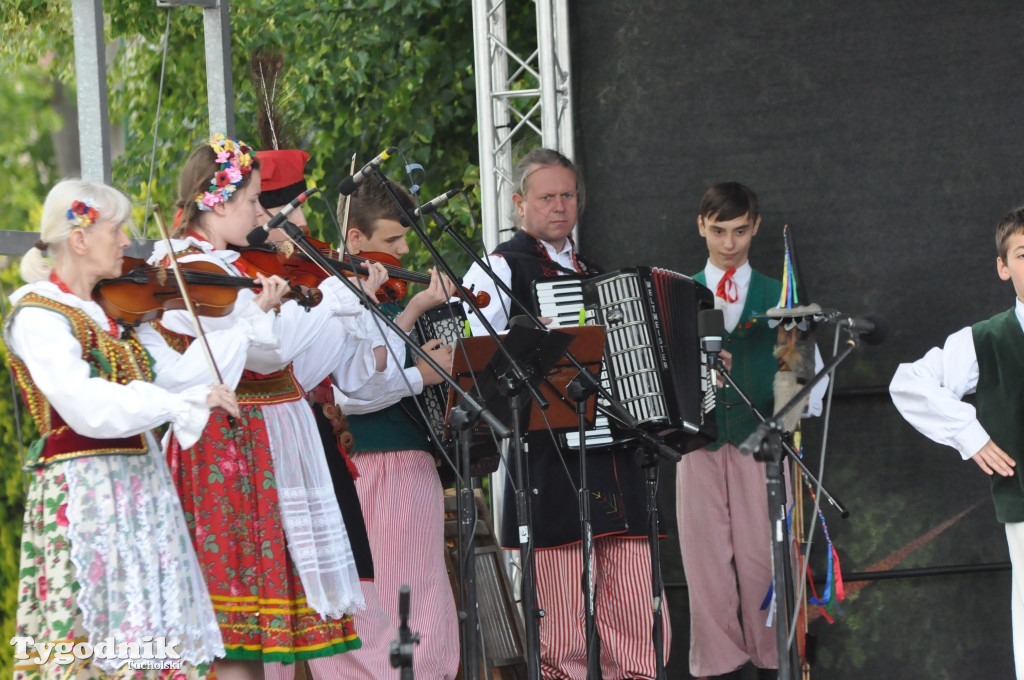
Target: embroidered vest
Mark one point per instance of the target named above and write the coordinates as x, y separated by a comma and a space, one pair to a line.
531, 267
754, 365
254, 389
117, 360
999, 344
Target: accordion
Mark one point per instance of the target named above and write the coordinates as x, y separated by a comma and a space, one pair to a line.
445, 323
653, 362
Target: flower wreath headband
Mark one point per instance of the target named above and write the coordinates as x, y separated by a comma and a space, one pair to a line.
81, 214
235, 158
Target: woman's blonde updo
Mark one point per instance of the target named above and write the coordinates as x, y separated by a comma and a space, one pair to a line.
94, 202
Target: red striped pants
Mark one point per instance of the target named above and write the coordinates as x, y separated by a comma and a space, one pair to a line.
403, 504
624, 610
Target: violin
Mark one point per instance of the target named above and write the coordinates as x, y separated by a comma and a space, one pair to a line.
297, 265
269, 260
143, 292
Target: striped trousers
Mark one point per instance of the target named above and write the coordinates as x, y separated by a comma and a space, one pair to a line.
403, 504
725, 539
624, 610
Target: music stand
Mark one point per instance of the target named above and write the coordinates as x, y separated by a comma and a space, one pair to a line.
588, 348
478, 366
577, 389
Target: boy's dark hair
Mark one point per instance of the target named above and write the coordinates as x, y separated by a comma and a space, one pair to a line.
728, 201
371, 202
1012, 223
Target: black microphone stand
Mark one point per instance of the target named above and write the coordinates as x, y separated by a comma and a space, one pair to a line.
580, 389
657, 581
766, 445
784, 443
401, 649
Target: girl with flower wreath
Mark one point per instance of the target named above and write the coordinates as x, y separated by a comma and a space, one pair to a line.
257, 493
105, 552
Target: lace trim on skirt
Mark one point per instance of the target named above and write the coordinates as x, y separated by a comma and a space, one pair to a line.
133, 556
316, 536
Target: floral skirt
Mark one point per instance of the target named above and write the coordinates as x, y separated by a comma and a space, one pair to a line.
105, 555
229, 492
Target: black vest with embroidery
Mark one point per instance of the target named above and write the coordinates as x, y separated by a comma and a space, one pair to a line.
529, 261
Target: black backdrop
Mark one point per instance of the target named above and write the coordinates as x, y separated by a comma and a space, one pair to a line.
886, 135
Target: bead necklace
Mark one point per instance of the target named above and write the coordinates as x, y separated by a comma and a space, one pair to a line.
57, 281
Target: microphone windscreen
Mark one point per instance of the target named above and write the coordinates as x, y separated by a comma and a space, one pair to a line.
257, 236
710, 323
347, 185
880, 332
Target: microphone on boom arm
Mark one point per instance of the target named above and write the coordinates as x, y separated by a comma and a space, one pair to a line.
258, 235
349, 184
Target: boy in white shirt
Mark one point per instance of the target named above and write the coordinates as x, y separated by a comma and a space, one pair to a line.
986, 359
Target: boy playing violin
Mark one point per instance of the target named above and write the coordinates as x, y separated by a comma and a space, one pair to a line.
398, 485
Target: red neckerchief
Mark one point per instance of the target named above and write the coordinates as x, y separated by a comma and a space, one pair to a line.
56, 280
727, 287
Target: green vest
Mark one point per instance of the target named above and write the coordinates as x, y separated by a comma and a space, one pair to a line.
754, 365
393, 428
999, 344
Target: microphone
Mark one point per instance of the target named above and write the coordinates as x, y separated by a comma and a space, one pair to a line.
872, 328
349, 184
434, 203
710, 329
258, 235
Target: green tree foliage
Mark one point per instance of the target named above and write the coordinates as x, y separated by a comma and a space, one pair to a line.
361, 75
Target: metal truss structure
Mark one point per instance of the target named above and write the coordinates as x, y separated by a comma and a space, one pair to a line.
522, 101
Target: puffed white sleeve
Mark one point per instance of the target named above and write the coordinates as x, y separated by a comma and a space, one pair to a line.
498, 311
928, 393
93, 406
229, 348
385, 387
300, 330
341, 347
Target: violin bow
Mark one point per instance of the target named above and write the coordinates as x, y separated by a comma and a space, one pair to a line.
343, 227
196, 326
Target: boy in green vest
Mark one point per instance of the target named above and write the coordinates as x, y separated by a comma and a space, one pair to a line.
721, 496
986, 359
398, 485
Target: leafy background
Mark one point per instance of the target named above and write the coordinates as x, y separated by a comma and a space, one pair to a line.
882, 131
361, 76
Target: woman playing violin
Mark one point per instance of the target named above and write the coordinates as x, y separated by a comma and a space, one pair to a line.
105, 548
263, 518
